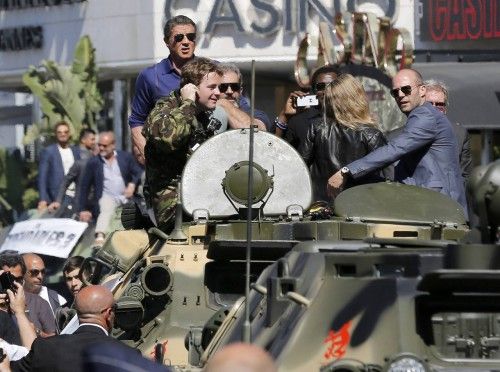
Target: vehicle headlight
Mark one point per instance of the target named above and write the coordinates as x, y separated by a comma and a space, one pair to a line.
406, 363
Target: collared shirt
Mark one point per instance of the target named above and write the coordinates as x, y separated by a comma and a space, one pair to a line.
244, 105
113, 181
152, 83
44, 293
68, 160
94, 325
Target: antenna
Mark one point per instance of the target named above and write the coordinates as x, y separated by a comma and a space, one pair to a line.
246, 324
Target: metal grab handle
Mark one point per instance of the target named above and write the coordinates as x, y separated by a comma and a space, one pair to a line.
259, 288
298, 298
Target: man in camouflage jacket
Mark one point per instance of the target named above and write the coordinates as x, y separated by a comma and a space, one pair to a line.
173, 129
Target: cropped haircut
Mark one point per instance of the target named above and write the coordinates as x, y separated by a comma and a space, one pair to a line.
418, 77
12, 260
176, 21
230, 67
194, 71
60, 123
437, 86
326, 69
347, 103
85, 132
72, 263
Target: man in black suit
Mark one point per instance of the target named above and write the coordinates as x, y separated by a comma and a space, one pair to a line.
96, 312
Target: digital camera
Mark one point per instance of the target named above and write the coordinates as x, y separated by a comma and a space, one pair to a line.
305, 101
7, 282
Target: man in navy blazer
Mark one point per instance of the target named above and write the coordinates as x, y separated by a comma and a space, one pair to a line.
114, 176
426, 149
55, 161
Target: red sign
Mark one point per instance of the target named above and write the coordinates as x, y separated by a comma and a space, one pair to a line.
460, 20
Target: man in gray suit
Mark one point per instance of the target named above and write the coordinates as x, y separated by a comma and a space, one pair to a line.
437, 95
426, 149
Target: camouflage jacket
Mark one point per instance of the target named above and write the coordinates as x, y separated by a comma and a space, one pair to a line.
169, 130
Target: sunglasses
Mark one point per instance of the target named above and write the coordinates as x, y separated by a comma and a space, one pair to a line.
406, 89
190, 36
223, 87
36, 272
319, 86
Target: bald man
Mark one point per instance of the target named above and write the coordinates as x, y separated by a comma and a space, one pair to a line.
95, 306
114, 174
426, 149
33, 281
240, 357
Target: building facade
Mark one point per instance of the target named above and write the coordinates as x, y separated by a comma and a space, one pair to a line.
127, 36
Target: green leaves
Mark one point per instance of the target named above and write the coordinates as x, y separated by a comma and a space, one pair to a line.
65, 93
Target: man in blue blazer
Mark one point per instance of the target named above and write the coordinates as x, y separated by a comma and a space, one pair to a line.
115, 176
426, 149
55, 161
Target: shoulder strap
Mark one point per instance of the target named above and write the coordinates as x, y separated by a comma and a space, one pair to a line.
53, 299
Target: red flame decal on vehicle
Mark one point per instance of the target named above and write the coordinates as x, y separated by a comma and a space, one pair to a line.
337, 342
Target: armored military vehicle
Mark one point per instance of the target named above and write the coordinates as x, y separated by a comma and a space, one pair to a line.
381, 304
168, 286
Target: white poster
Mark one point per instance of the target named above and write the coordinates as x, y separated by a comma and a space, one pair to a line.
51, 236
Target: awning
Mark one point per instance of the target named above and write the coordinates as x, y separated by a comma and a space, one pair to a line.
474, 91
15, 114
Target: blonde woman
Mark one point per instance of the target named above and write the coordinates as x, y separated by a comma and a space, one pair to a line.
346, 132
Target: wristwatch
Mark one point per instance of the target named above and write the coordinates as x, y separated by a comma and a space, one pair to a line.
344, 171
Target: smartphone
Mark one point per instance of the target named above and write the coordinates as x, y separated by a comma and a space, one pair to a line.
7, 282
305, 101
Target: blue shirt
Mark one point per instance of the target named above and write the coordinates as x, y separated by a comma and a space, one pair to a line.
244, 105
113, 184
152, 83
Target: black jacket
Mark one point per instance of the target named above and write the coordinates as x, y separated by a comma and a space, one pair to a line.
62, 353
299, 124
330, 146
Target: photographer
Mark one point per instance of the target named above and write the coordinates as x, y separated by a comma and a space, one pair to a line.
176, 126
39, 311
9, 333
294, 120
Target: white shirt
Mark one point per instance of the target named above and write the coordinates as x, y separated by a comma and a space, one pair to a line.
14, 352
44, 293
94, 325
67, 160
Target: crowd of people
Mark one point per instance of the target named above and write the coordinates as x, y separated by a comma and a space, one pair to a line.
183, 100
29, 312
178, 104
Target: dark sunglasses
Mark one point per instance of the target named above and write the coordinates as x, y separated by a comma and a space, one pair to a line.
179, 37
36, 272
406, 89
223, 87
319, 86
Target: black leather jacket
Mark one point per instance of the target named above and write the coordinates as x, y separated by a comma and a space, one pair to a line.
330, 146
